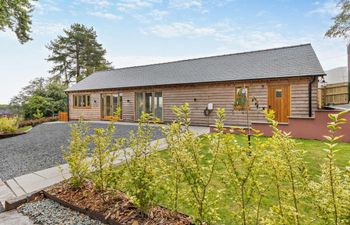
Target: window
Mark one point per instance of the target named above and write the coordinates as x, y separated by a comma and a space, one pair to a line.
81, 101
278, 93
241, 98
149, 102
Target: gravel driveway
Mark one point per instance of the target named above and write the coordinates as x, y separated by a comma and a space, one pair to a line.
41, 148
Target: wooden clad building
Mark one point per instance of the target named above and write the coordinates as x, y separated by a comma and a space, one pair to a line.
283, 79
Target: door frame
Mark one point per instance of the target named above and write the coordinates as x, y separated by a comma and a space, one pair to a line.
288, 98
144, 101
104, 108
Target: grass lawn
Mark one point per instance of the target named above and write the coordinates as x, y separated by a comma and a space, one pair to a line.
24, 129
314, 157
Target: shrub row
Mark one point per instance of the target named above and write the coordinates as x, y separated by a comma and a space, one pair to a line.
267, 181
34, 122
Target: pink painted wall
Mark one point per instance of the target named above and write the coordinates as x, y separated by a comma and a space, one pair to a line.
308, 128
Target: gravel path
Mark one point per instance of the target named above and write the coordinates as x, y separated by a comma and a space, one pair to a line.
48, 212
41, 148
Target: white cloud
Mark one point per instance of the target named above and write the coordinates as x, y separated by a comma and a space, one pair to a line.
327, 8
185, 4
125, 5
105, 15
45, 28
45, 6
97, 3
127, 61
158, 14
180, 30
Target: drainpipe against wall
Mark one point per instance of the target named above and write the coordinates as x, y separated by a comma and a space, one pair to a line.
310, 95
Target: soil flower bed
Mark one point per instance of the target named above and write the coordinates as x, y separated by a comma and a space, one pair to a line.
111, 208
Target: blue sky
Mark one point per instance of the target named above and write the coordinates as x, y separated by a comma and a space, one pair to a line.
136, 32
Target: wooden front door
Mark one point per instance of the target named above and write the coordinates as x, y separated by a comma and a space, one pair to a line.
279, 101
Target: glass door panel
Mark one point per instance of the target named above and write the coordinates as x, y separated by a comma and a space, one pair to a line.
139, 105
149, 103
158, 105
108, 104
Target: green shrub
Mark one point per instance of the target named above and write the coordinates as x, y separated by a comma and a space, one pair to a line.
76, 154
8, 125
140, 174
105, 152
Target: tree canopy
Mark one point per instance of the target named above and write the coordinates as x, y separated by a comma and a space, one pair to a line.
341, 26
41, 96
76, 54
15, 15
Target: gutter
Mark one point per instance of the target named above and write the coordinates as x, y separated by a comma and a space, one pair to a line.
310, 95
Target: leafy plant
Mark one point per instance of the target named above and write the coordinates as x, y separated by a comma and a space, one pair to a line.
288, 173
38, 114
8, 125
190, 164
76, 154
104, 153
245, 177
141, 182
332, 192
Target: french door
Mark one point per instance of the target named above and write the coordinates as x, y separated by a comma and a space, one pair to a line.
149, 102
110, 104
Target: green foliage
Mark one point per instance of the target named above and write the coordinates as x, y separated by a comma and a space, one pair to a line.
341, 26
47, 97
264, 182
245, 177
76, 54
8, 125
76, 154
332, 193
140, 176
15, 15
289, 175
188, 164
104, 153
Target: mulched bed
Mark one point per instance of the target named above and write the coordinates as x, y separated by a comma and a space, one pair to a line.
113, 208
7, 135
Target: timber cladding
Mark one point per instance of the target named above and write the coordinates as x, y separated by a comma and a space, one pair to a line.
198, 96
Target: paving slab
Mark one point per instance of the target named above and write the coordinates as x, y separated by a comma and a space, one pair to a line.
13, 217
5, 194
15, 188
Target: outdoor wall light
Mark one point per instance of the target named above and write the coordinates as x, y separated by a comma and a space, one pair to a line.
195, 99
128, 100
95, 101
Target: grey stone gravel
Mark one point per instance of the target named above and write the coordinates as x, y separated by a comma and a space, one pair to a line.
48, 212
41, 147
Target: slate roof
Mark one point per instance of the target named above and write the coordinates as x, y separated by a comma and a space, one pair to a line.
291, 61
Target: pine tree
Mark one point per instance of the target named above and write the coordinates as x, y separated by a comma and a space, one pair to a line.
76, 54
15, 15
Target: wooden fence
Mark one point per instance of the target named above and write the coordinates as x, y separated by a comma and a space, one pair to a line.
333, 94
63, 116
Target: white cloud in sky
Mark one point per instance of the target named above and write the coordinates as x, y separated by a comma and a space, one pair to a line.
45, 28
185, 4
96, 3
105, 15
125, 5
45, 6
180, 29
327, 8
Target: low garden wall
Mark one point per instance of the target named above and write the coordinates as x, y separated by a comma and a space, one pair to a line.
308, 128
